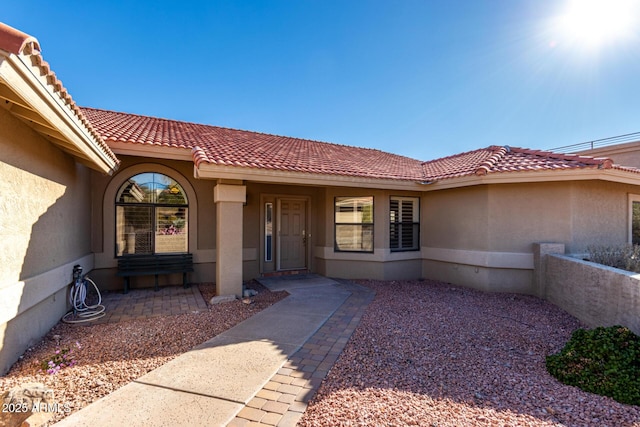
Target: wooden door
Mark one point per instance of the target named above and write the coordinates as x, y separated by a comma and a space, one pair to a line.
293, 234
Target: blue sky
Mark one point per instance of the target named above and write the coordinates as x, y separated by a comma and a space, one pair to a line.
423, 79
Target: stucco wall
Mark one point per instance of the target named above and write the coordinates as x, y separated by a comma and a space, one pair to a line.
456, 219
489, 279
482, 236
600, 214
595, 294
477, 237
575, 213
520, 214
375, 266
45, 230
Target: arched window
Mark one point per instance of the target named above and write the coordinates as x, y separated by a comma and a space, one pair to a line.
151, 216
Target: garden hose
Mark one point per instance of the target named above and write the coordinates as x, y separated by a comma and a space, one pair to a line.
82, 312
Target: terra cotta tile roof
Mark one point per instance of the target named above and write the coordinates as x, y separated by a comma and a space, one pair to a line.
497, 159
231, 147
240, 148
18, 43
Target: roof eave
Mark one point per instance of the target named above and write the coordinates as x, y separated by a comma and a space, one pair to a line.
149, 150
206, 170
29, 97
612, 175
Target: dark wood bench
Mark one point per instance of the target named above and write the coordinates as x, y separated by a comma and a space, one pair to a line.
147, 265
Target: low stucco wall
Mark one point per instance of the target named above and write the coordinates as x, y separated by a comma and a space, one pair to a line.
375, 270
25, 330
379, 265
488, 279
595, 294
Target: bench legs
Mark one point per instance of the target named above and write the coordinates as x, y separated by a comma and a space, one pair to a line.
157, 286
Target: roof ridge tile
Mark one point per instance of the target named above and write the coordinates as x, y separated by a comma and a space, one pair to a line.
486, 166
15, 41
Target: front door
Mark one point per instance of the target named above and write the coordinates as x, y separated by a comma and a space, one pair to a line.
293, 237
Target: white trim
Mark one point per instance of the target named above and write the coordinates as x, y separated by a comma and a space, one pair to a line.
21, 296
488, 259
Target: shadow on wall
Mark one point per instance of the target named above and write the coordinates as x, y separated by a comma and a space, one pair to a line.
47, 234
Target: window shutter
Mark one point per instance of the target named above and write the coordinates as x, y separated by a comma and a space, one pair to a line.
404, 226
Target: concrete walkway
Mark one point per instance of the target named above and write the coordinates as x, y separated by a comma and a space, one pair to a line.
262, 371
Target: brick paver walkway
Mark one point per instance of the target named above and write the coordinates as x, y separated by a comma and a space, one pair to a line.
145, 303
283, 400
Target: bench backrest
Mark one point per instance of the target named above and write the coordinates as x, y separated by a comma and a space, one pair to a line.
155, 262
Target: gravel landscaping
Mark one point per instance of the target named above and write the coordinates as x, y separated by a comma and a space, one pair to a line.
425, 353
433, 354
112, 355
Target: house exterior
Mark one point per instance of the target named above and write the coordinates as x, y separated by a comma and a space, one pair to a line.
87, 186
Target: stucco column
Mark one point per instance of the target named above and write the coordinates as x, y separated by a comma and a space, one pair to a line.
229, 199
540, 251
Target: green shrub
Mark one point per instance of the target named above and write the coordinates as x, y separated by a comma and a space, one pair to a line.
604, 361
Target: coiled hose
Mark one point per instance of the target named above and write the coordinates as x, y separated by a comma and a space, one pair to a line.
82, 311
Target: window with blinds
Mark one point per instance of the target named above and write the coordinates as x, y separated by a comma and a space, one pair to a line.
354, 224
151, 216
404, 223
